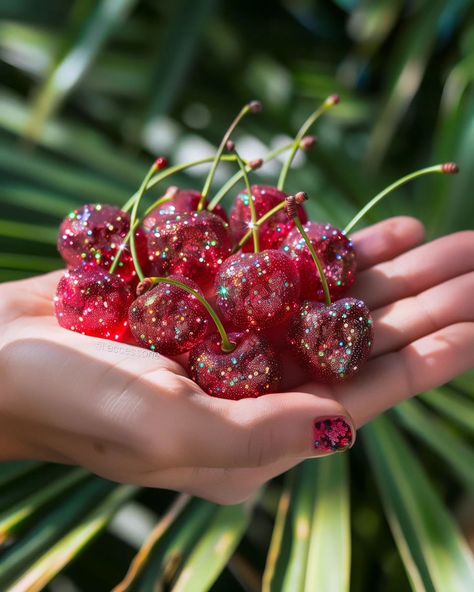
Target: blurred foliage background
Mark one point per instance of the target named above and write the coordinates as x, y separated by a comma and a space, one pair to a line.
90, 91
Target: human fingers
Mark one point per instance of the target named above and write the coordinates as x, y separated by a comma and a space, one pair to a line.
417, 270
402, 322
385, 240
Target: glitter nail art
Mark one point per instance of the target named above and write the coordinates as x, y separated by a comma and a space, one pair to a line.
332, 434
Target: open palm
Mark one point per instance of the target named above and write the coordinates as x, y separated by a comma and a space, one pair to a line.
133, 416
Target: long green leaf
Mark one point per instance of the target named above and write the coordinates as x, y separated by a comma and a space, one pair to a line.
12, 470
29, 262
67, 73
457, 407
433, 550
328, 563
35, 578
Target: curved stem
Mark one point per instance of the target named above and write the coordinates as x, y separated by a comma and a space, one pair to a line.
438, 168
253, 212
328, 103
317, 261
171, 171
210, 177
227, 345
239, 175
281, 206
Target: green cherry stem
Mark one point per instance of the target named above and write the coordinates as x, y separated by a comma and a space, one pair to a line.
328, 104
226, 344
170, 172
252, 107
291, 209
239, 175
253, 212
448, 168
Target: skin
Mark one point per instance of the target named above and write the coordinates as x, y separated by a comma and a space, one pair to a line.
133, 416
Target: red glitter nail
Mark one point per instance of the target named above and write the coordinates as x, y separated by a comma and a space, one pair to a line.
332, 434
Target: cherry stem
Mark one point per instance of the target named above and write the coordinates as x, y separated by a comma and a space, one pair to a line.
281, 206
210, 177
328, 104
172, 171
226, 344
239, 175
254, 229
446, 168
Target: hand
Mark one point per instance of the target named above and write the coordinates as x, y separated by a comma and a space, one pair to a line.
133, 416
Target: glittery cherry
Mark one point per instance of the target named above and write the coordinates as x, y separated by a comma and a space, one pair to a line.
182, 200
257, 290
252, 369
336, 253
275, 229
93, 302
193, 245
95, 233
167, 319
334, 341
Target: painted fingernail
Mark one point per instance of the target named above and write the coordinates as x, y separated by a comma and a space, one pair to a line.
332, 434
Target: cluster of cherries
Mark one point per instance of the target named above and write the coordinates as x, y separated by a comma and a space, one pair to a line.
150, 280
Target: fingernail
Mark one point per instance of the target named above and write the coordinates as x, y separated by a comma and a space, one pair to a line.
332, 434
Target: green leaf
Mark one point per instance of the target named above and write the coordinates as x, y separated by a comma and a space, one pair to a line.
13, 470
67, 73
456, 406
29, 232
35, 578
329, 554
29, 262
440, 437
432, 548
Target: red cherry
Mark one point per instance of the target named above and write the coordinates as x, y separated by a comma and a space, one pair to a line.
193, 245
184, 200
257, 290
252, 369
332, 341
336, 253
272, 232
168, 320
95, 232
93, 302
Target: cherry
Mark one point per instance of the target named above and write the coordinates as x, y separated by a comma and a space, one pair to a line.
93, 302
95, 233
193, 245
332, 341
182, 200
273, 231
251, 369
337, 256
257, 290
168, 319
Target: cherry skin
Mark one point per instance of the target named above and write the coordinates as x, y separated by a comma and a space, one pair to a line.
184, 200
272, 232
93, 302
257, 290
168, 320
252, 369
192, 245
333, 342
336, 253
94, 233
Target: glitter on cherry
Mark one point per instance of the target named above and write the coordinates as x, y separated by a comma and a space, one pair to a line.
193, 245
334, 341
167, 319
274, 230
182, 200
252, 369
93, 302
257, 290
95, 233
336, 253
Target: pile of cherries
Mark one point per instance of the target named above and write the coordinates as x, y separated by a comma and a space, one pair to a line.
150, 280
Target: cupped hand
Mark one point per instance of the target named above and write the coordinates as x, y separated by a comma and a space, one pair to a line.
133, 416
